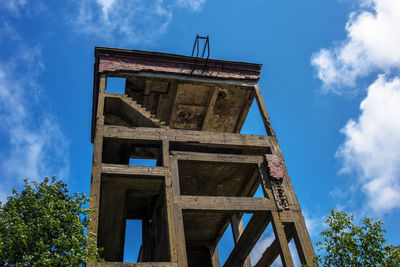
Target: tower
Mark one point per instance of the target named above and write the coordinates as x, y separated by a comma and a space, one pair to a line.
186, 114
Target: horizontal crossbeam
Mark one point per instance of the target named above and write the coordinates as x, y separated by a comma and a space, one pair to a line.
213, 157
228, 204
132, 171
228, 140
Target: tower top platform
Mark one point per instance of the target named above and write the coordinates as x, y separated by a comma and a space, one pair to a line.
182, 92
113, 60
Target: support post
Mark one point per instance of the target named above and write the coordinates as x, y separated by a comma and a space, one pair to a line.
284, 251
302, 241
178, 218
113, 222
214, 257
176, 234
180, 238
249, 237
169, 207
237, 230
146, 240
272, 252
263, 111
94, 203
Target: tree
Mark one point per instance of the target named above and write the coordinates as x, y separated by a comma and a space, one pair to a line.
346, 244
394, 256
45, 226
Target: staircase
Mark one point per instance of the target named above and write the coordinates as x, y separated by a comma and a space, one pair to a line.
139, 109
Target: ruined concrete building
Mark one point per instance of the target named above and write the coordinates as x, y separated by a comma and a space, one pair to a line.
187, 114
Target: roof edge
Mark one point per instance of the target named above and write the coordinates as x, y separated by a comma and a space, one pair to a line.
166, 57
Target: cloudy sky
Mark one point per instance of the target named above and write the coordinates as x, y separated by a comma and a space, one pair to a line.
330, 79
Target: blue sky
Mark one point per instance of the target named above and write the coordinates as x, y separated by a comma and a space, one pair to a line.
330, 80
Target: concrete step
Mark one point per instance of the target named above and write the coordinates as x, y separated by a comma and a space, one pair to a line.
143, 110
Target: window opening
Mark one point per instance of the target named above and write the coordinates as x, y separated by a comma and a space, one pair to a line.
259, 192
253, 123
115, 85
294, 253
133, 240
277, 262
143, 162
265, 240
226, 245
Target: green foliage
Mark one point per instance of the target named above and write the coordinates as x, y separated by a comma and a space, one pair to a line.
44, 226
394, 256
346, 244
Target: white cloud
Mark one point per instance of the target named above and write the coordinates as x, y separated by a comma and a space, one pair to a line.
265, 240
314, 223
123, 22
371, 148
14, 6
105, 6
346, 197
195, 5
8, 33
127, 22
372, 44
21, 8
372, 145
32, 144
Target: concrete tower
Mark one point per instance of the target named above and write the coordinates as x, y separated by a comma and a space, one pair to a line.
186, 114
